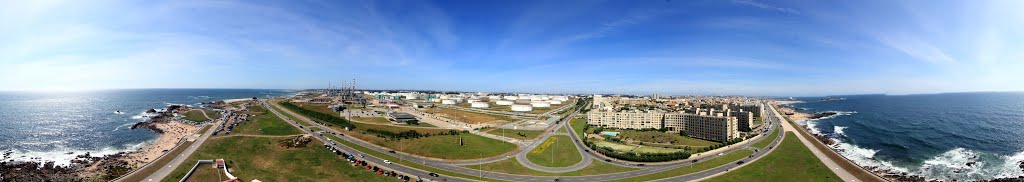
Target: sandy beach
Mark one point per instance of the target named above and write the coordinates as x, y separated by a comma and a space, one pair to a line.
796, 116
236, 100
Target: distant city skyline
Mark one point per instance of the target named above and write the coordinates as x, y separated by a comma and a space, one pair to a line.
739, 47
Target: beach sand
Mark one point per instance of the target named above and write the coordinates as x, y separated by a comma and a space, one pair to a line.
174, 132
797, 116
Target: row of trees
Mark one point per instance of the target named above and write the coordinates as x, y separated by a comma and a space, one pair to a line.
720, 145
640, 157
327, 118
411, 134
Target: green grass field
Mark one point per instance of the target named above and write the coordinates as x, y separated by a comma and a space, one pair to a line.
563, 130
561, 153
262, 158
196, 115
322, 108
266, 123
791, 161
662, 138
527, 134
375, 120
396, 160
578, 125
512, 166
697, 167
767, 141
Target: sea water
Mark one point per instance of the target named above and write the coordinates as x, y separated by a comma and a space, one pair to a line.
59, 126
938, 136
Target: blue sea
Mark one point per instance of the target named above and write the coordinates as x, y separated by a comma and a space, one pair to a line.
939, 136
58, 126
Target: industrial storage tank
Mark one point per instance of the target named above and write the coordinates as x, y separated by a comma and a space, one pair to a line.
522, 108
473, 100
511, 97
503, 102
448, 102
553, 102
480, 105
458, 99
523, 101
540, 104
494, 97
560, 97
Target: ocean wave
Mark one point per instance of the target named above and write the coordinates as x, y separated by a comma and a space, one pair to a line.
839, 130
63, 156
955, 164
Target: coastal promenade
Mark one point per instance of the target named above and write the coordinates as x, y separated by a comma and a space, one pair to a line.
844, 168
166, 169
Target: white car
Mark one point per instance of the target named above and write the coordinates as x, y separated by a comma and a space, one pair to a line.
387, 162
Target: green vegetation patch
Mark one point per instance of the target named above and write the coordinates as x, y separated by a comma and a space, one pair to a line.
517, 134
403, 162
512, 166
196, 115
791, 161
266, 123
697, 167
766, 141
318, 116
579, 125
664, 138
264, 159
556, 151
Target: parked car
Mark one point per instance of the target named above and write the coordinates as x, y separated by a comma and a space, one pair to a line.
387, 162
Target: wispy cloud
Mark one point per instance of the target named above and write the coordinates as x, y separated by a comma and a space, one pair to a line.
766, 6
916, 48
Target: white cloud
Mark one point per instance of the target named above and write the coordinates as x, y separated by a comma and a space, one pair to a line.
916, 48
766, 6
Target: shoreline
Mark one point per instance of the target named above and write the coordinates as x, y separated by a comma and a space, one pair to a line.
879, 168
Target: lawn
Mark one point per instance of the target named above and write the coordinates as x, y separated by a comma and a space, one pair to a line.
791, 161
375, 120
563, 130
466, 116
196, 115
438, 146
292, 117
560, 153
512, 166
663, 138
578, 125
697, 167
766, 141
396, 160
322, 108
206, 172
517, 134
266, 123
275, 163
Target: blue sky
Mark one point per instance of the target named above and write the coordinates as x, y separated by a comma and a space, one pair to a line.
777, 48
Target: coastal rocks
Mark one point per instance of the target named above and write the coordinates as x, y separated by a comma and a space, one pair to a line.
36, 171
823, 114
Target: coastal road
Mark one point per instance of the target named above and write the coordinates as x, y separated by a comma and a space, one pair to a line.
178, 160
468, 170
845, 173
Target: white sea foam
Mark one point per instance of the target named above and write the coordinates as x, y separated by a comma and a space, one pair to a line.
955, 164
63, 156
839, 130
865, 157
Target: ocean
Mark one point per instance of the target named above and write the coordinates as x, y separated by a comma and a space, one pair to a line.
948, 136
59, 126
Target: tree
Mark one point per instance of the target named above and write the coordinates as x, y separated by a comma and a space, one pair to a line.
684, 133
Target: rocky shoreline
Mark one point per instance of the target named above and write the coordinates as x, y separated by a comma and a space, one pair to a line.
87, 167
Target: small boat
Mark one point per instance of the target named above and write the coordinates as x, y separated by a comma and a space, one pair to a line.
118, 112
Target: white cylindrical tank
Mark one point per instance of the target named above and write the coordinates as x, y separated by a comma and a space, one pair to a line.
554, 102
540, 104
522, 108
503, 102
511, 97
473, 100
458, 99
480, 105
448, 101
561, 98
494, 97
444, 97
536, 97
